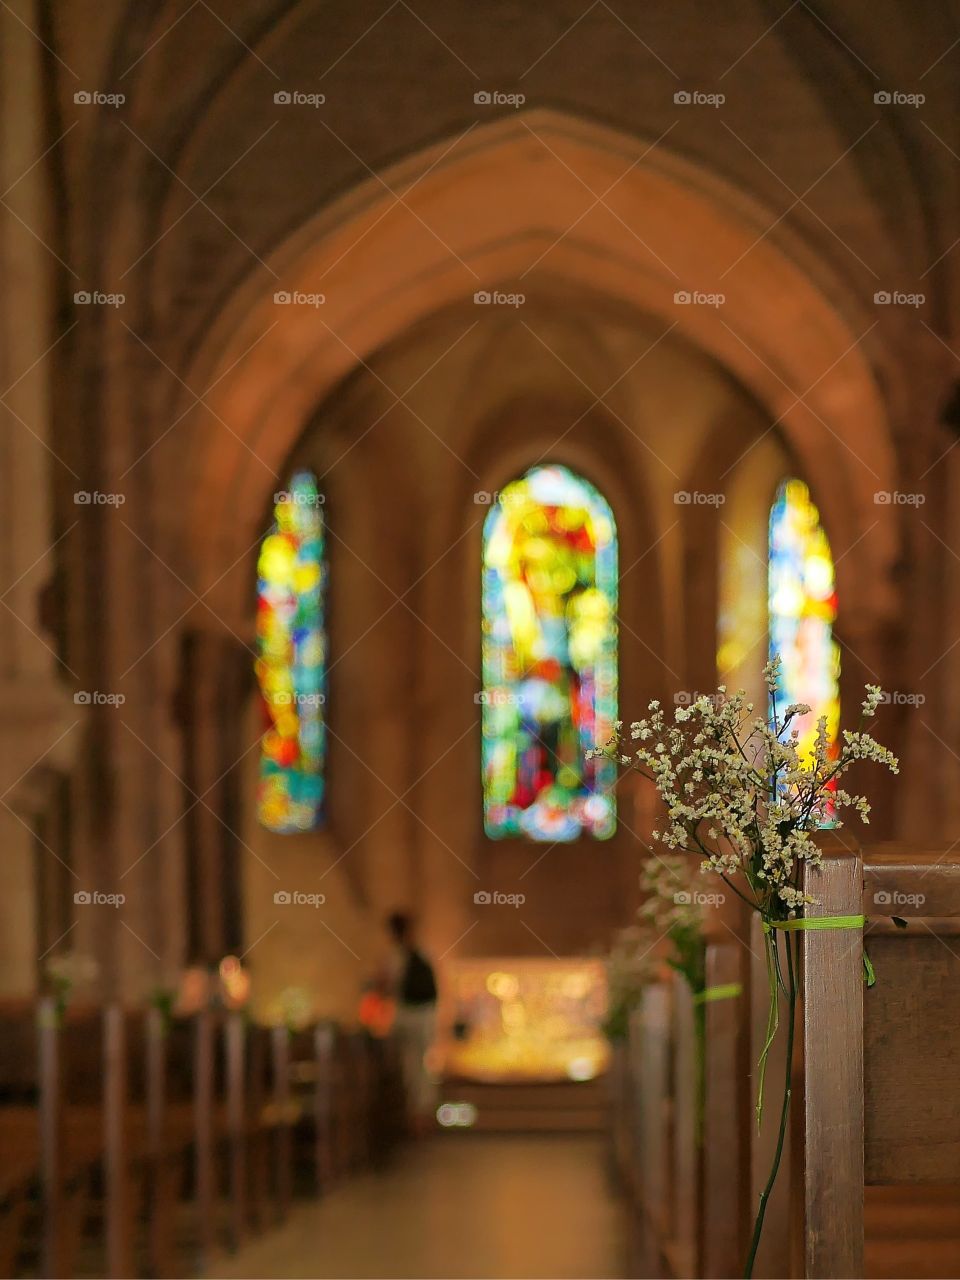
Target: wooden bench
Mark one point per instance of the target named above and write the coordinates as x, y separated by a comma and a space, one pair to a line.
875, 1133
870, 1181
135, 1144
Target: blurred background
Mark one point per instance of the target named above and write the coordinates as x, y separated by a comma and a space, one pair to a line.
394, 397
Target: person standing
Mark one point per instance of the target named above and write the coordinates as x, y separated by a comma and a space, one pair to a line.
415, 990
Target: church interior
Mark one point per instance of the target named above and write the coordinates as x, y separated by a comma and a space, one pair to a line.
400, 399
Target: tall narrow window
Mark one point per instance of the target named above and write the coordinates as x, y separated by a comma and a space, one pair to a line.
291, 660
549, 658
803, 610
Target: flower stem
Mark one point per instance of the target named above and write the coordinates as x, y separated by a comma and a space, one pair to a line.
784, 1111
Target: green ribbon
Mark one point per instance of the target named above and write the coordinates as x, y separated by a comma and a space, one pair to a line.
807, 923
816, 922
723, 991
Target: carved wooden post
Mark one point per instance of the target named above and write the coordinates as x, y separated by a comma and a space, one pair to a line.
727, 1113
51, 1137
235, 1033
281, 1100
158, 1208
827, 1227
323, 1106
773, 1256
203, 1132
119, 1262
685, 1190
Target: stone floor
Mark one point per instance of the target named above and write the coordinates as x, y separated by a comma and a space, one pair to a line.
475, 1205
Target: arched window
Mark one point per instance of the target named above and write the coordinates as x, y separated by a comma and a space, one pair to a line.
291, 660
803, 610
549, 658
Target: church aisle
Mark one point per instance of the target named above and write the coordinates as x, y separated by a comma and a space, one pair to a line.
517, 1206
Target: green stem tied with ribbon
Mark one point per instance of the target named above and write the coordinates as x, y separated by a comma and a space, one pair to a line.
722, 991
827, 922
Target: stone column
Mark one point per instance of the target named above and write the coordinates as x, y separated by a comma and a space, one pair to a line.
41, 726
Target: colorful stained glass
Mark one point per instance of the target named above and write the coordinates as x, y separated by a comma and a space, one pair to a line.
291, 661
803, 610
549, 659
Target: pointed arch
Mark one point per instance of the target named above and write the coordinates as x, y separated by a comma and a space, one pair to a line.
549, 611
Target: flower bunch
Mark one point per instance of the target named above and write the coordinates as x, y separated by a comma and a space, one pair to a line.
741, 794
667, 915
738, 791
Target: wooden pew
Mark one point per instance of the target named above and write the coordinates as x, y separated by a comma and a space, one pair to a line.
725, 1207
138, 1144
875, 1123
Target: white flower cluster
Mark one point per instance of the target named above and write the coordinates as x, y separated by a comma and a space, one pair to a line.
737, 790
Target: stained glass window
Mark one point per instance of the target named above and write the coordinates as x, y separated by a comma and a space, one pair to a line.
291, 660
549, 658
803, 610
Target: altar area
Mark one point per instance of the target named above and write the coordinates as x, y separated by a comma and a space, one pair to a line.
524, 1021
